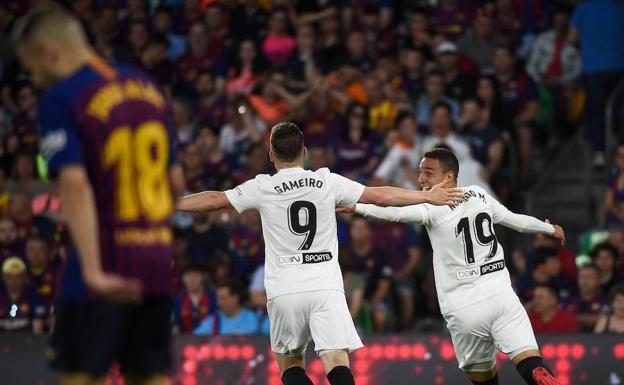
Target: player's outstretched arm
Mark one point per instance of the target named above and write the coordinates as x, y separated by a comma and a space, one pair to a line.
439, 195
203, 202
528, 224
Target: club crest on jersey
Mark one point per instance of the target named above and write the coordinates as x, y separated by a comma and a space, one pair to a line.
304, 258
477, 271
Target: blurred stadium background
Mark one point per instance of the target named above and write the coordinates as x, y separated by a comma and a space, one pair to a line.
536, 94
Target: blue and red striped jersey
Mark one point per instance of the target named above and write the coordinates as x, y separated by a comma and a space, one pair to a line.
115, 122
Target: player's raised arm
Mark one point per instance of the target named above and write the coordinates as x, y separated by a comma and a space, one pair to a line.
440, 195
203, 202
524, 223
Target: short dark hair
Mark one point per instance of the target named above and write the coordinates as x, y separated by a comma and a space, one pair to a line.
590, 266
615, 291
286, 141
233, 287
444, 105
604, 246
554, 290
541, 254
446, 157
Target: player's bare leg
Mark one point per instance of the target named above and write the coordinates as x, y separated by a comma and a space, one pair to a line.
80, 379
531, 367
336, 364
156, 379
484, 378
292, 368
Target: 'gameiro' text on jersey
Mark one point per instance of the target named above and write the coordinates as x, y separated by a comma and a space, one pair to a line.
468, 261
297, 208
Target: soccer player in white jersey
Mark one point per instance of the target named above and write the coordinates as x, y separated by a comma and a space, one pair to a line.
302, 277
476, 298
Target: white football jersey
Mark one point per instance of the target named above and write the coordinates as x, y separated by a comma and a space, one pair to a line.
468, 261
297, 208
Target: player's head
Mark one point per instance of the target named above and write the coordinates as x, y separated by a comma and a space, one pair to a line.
47, 40
436, 165
287, 144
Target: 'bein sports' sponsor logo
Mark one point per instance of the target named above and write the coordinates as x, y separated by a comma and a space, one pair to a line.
477, 271
304, 258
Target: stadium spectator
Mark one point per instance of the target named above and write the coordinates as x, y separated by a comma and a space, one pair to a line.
231, 318
613, 204
480, 42
356, 152
245, 71
194, 170
246, 244
399, 166
486, 143
242, 130
194, 303
183, 121
9, 241
198, 56
24, 178
547, 315
488, 90
155, 62
588, 303
218, 170
613, 322
21, 308
452, 17
566, 257
163, 23
434, 94
24, 133
367, 276
278, 45
546, 271
412, 80
458, 85
205, 237
41, 269
602, 55
604, 256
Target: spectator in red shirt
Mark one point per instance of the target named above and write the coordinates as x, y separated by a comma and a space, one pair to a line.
587, 304
194, 303
548, 316
198, 57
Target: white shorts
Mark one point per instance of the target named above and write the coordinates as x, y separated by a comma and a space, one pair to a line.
499, 322
322, 315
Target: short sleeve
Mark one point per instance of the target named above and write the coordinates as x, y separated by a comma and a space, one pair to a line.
347, 192
245, 196
60, 142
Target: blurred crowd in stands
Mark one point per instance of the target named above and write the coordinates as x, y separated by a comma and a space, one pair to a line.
373, 84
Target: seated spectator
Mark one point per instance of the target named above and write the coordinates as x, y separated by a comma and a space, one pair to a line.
258, 299
24, 136
198, 57
485, 140
243, 129
231, 318
9, 242
245, 71
42, 271
412, 79
480, 42
247, 244
613, 204
547, 315
25, 178
458, 85
356, 155
205, 237
218, 29
400, 165
215, 163
183, 121
155, 62
357, 55
275, 102
129, 51
520, 98
255, 162
211, 103
434, 95
613, 322
367, 276
442, 133
604, 256
489, 92
588, 303
452, 17
278, 45
546, 270
163, 23
21, 308
567, 259
194, 303
194, 170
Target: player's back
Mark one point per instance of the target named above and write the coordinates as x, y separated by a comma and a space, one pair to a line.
469, 263
297, 208
114, 121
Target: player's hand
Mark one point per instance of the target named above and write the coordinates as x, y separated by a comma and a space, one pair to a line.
442, 194
114, 287
559, 233
345, 210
